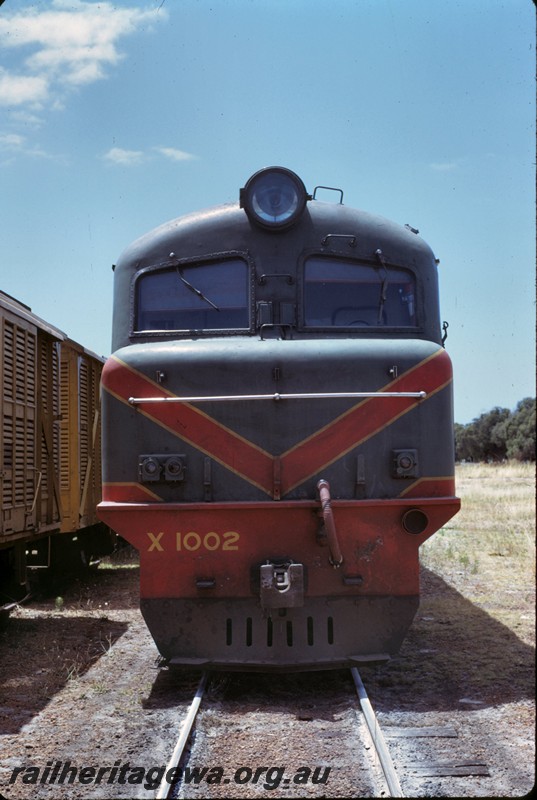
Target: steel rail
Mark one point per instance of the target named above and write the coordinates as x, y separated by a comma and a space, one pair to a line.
165, 788
135, 401
379, 742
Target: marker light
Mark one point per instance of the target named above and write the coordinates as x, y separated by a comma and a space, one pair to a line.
274, 197
414, 521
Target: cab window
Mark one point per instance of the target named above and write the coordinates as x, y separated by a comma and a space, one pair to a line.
345, 294
210, 296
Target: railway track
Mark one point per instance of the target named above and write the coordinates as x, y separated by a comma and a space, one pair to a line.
354, 760
377, 737
166, 788
381, 771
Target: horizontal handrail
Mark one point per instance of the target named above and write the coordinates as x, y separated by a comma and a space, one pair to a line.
135, 401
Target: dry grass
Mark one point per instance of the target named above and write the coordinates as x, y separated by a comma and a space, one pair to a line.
474, 634
487, 551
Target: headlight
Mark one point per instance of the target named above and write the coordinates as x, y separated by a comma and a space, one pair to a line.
274, 197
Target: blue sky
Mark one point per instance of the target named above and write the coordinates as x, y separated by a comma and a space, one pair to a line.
115, 117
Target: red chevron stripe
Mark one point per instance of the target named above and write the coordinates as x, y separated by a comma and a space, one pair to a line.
431, 487
194, 426
302, 461
129, 493
363, 421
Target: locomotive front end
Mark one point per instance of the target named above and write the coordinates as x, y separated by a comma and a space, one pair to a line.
277, 428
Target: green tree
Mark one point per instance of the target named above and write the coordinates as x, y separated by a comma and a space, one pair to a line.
492, 448
466, 445
474, 442
518, 431
498, 434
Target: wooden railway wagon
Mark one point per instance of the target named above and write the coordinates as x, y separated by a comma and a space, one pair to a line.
50, 451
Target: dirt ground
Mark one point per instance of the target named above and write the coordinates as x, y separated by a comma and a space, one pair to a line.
82, 686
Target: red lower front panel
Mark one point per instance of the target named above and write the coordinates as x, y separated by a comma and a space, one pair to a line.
203, 579
213, 550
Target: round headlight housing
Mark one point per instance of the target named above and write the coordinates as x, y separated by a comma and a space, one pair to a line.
274, 198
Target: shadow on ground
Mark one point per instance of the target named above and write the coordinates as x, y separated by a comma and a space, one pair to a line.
62, 648
453, 652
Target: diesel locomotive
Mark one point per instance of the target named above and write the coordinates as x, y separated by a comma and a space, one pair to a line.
278, 428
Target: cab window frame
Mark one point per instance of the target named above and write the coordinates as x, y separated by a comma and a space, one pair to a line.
365, 329
175, 264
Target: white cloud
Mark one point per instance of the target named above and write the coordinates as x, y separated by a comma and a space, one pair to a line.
20, 90
13, 144
175, 155
26, 118
127, 158
10, 141
72, 44
133, 158
444, 166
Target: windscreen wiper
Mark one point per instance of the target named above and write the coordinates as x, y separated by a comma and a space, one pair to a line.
196, 291
384, 285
